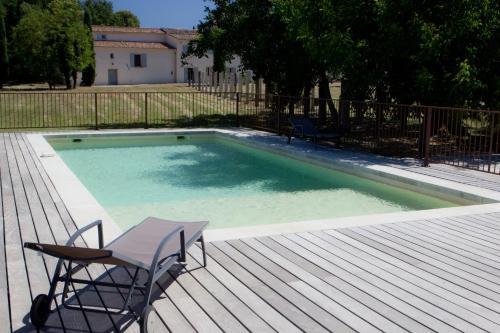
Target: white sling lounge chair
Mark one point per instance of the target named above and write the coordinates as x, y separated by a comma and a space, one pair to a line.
154, 246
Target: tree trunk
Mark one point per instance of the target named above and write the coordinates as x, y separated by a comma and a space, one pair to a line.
75, 77
67, 80
326, 98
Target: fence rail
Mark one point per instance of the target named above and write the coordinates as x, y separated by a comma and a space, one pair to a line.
462, 137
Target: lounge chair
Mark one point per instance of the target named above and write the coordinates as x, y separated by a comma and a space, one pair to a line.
154, 246
304, 128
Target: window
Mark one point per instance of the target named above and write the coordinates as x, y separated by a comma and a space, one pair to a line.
137, 60
111, 55
104, 37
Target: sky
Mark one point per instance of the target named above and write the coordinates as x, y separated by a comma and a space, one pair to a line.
165, 13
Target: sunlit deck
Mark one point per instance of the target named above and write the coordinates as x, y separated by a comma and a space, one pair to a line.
433, 275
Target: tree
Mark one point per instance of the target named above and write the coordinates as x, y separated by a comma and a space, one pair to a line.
52, 44
101, 11
125, 18
70, 38
254, 31
88, 73
4, 57
31, 51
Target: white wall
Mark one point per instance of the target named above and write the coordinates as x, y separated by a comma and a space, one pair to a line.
200, 64
160, 66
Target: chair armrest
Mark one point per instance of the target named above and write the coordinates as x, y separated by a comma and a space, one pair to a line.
163, 242
69, 252
80, 231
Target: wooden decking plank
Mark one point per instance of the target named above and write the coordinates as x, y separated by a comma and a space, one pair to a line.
211, 306
448, 247
436, 255
430, 264
437, 248
17, 273
451, 230
273, 318
459, 225
283, 282
4, 288
188, 306
373, 306
236, 306
452, 242
398, 295
290, 310
482, 222
443, 233
419, 288
322, 293
447, 280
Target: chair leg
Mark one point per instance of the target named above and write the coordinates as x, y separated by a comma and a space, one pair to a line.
202, 241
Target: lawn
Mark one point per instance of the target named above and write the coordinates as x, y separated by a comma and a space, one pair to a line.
160, 105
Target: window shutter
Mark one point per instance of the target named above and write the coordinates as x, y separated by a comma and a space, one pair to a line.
144, 60
132, 62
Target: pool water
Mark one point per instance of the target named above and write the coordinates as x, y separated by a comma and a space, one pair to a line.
204, 177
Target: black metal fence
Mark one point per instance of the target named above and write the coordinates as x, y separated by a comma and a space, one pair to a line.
461, 137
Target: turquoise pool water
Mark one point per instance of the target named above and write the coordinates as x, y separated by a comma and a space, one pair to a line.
208, 178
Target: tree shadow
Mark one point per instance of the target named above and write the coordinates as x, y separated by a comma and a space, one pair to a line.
216, 166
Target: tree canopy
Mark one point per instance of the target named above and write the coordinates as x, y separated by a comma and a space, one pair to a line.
441, 52
51, 40
101, 12
125, 18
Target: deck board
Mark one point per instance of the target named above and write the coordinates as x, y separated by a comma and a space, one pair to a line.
434, 275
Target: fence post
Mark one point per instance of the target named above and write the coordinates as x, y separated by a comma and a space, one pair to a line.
95, 110
43, 110
492, 133
427, 135
279, 115
146, 111
238, 109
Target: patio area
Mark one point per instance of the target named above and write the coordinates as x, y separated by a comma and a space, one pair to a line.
439, 274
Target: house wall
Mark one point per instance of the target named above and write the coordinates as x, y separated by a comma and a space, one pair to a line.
160, 66
201, 64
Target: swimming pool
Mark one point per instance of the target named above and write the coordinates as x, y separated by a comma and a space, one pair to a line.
208, 177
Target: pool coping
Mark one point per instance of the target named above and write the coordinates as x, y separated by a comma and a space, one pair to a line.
84, 208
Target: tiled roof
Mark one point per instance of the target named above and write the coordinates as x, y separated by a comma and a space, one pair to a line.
181, 33
137, 45
104, 28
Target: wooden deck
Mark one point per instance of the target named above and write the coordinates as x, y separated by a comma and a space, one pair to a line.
436, 275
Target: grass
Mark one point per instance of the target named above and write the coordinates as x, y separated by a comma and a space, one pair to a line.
34, 106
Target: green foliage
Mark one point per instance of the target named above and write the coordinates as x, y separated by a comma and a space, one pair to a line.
52, 44
88, 73
253, 30
439, 52
4, 57
101, 11
125, 18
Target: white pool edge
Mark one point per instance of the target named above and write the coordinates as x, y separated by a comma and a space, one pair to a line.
84, 208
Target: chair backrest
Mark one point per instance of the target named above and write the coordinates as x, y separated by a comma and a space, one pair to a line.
305, 125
